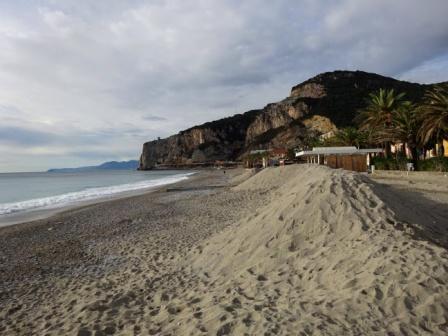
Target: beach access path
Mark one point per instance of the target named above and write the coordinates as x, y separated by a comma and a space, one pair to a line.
420, 198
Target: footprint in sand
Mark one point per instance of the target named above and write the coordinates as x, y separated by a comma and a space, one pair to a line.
84, 332
248, 320
378, 294
226, 329
173, 310
261, 277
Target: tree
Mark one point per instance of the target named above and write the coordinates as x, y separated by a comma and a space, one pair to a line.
349, 136
405, 127
434, 116
311, 139
376, 119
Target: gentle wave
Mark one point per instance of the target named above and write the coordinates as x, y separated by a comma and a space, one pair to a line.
85, 195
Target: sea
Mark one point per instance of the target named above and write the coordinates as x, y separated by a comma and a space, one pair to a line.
27, 192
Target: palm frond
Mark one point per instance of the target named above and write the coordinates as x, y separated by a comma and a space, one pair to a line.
434, 114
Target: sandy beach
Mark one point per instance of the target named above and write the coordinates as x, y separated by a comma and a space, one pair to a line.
295, 250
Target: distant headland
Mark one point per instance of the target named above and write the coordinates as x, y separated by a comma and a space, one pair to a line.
111, 165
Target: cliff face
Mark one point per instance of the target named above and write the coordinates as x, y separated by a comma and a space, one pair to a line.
275, 115
218, 140
320, 104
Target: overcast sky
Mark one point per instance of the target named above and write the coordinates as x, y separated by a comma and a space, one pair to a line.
82, 82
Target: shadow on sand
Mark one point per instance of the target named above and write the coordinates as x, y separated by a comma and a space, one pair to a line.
428, 218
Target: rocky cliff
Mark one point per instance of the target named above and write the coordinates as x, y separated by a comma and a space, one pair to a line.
320, 104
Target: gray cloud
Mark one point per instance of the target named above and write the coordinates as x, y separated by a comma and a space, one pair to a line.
34, 138
116, 73
154, 118
21, 136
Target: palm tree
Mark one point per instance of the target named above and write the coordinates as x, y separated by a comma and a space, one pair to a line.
434, 116
311, 140
377, 117
405, 127
349, 136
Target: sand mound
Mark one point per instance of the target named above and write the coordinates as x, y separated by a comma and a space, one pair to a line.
243, 176
325, 256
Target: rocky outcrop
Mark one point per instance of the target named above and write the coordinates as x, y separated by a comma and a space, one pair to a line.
217, 140
309, 90
319, 124
318, 105
276, 115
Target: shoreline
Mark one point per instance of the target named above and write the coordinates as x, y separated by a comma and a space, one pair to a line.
46, 213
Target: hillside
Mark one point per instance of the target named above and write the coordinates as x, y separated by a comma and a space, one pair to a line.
111, 165
318, 105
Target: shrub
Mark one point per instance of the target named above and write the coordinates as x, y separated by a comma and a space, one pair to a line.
433, 164
398, 163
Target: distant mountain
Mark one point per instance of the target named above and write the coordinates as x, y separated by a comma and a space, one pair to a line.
319, 105
111, 165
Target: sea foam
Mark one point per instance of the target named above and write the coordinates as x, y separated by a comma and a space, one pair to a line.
87, 194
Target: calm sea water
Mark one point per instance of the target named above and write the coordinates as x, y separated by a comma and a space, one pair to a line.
22, 192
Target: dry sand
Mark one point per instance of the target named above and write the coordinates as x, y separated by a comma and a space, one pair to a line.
296, 250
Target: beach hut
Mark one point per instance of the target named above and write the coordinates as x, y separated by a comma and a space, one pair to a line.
349, 158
